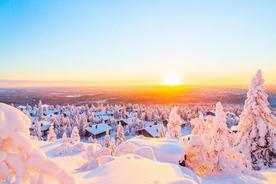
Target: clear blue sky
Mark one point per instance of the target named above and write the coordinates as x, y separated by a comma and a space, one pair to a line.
107, 42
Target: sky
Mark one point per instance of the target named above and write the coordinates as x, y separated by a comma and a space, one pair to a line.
99, 42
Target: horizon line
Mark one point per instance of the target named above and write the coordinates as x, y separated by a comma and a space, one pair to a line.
78, 84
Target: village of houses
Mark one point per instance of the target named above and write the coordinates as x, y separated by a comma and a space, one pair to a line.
96, 120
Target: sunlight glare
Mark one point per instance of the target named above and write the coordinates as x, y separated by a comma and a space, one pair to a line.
171, 80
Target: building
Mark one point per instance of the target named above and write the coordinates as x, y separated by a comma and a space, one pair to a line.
150, 131
97, 130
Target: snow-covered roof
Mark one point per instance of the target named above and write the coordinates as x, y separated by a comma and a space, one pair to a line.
126, 120
67, 112
234, 128
153, 130
30, 111
98, 128
44, 125
105, 117
183, 122
99, 113
21, 107
51, 112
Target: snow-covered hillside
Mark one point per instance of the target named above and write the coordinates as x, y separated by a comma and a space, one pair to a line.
137, 168
138, 160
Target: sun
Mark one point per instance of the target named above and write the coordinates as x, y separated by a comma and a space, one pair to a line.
171, 80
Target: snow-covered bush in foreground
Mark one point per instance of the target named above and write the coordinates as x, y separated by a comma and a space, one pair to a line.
209, 152
94, 156
257, 128
21, 162
70, 145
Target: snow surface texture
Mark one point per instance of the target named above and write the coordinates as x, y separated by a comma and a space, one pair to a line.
21, 161
133, 168
165, 150
138, 160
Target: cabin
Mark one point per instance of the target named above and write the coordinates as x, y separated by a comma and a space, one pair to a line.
45, 125
150, 131
123, 122
209, 113
234, 129
97, 130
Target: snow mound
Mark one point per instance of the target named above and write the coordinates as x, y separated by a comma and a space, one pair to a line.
21, 162
165, 150
135, 169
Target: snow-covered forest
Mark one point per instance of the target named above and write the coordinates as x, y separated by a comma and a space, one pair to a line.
137, 143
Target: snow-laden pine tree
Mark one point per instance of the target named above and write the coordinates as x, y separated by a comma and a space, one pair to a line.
199, 126
107, 139
83, 125
64, 138
37, 130
52, 134
174, 124
162, 131
75, 136
65, 147
222, 136
257, 127
40, 110
120, 134
209, 152
113, 146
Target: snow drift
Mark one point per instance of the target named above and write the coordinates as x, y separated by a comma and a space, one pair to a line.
163, 149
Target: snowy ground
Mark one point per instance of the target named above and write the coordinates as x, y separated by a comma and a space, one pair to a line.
153, 164
139, 160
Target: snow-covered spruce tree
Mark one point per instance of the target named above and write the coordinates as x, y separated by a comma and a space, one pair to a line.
72, 145
37, 130
120, 134
174, 124
40, 110
209, 152
83, 125
52, 134
199, 126
107, 139
64, 138
162, 131
20, 160
257, 127
113, 146
75, 136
